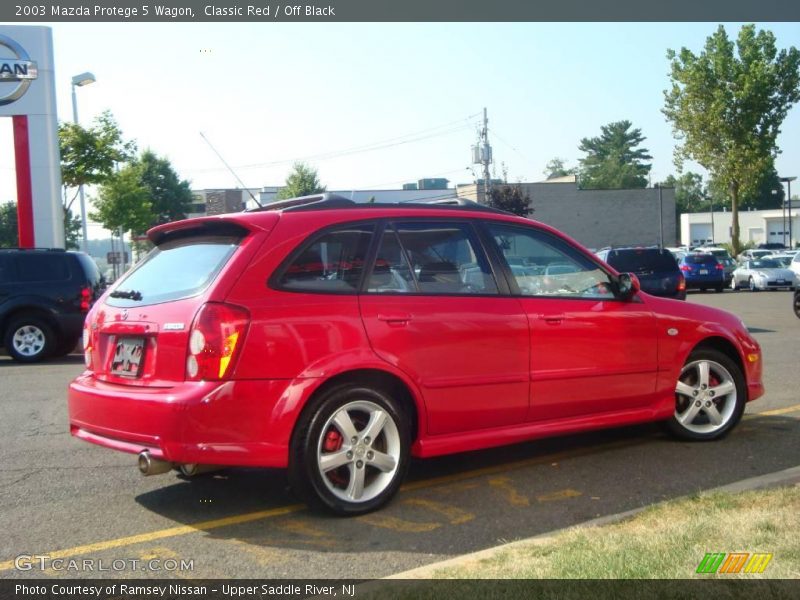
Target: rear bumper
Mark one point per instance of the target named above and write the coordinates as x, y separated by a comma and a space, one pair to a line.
219, 423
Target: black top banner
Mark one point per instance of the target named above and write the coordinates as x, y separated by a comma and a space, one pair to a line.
20, 11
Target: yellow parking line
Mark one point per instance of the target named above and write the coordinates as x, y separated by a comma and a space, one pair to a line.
778, 411
284, 510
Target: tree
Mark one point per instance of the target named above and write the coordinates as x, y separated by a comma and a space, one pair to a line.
726, 106
170, 197
511, 198
612, 160
9, 234
689, 193
89, 155
73, 228
124, 202
302, 181
557, 168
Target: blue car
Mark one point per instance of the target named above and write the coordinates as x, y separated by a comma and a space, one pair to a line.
703, 271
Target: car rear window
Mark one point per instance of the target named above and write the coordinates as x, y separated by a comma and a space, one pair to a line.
643, 258
42, 267
700, 259
176, 269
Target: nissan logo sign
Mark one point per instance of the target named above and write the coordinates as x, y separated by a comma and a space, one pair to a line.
18, 69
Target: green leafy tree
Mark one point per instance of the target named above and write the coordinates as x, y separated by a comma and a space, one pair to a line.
124, 202
302, 181
9, 234
613, 160
170, 197
90, 154
726, 106
690, 195
556, 167
510, 198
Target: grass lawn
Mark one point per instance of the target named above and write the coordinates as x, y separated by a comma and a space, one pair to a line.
666, 541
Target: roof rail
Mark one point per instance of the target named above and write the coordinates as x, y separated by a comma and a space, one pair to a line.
324, 200
42, 249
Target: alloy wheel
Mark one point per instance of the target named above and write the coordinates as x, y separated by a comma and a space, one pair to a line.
28, 341
705, 397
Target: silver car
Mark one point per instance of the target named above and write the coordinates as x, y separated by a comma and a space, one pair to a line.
762, 274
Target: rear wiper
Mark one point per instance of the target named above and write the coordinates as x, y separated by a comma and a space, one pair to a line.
129, 294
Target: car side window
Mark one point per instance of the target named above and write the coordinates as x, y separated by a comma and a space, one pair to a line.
330, 263
431, 258
543, 265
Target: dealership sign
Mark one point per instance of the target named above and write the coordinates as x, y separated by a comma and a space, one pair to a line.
18, 69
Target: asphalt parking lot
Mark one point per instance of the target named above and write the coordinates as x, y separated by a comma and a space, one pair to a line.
69, 500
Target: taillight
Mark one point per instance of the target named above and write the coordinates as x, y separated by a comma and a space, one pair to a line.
685, 268
719, 267
216, 335
87, 346
681, 282
86, 299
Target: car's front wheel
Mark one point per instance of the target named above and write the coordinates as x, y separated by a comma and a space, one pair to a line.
350, 450
734, 284
710, 395
752, 285
29, 339
796, 303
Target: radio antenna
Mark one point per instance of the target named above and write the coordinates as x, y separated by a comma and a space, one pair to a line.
247, 189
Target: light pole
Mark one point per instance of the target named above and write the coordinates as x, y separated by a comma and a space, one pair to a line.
80, 81
788, 181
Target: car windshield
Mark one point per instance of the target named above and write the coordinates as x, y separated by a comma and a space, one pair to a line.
766, 263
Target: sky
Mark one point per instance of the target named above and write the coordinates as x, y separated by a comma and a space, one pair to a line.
411, 94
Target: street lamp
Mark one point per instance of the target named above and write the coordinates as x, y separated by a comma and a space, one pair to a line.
80, 81
788, 181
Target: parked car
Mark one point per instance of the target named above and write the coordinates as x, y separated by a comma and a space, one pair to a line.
754, 253
44, 297
702, 271
723, 257
656, 269
763, 274
772, 246
336, 340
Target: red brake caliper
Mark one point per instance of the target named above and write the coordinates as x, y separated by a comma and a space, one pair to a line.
333, 441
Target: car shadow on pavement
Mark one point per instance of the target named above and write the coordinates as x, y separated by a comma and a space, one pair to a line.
470, 501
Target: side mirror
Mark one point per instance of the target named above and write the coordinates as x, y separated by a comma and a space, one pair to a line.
628, 285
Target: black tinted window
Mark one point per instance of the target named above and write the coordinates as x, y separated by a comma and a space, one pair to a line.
175, 270
643, 259
331, 263
700, 259
42, 267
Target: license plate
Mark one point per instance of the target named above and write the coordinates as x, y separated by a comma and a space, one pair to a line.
127, 360
703, 271
781, 281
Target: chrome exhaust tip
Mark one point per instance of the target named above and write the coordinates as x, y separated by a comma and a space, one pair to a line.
152, 466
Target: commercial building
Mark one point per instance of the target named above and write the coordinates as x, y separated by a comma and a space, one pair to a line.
756, 226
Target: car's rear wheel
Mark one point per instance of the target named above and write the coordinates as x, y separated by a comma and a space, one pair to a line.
709, 396
796, 304
350, 450
29, 339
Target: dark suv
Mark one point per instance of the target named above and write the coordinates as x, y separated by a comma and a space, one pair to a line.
44, 297
656, 269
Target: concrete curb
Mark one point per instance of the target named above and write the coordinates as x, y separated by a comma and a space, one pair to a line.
789, 476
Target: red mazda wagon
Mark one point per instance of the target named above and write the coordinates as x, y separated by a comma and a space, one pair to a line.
337, 339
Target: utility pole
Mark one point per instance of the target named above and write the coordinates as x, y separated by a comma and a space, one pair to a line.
482, 154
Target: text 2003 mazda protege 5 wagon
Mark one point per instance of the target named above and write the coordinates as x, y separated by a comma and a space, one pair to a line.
335, 340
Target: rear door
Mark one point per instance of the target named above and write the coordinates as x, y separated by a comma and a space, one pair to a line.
590, 352
432, 307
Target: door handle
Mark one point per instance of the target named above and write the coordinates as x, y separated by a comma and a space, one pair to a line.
552, 319
395, 319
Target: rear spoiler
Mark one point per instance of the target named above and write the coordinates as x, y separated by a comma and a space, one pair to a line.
232, 224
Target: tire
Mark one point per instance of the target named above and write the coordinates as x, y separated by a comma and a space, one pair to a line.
29, 339
796, 303
734, 285
710, 395
364, 468
719, 289
752, 284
